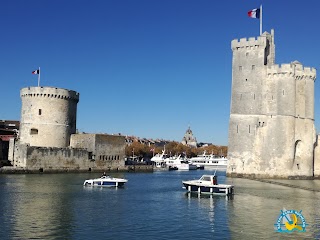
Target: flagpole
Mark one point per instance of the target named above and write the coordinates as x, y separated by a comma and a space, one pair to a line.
39, 78
260, 19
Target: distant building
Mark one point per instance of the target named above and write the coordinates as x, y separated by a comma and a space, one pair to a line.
8, 130
189, 139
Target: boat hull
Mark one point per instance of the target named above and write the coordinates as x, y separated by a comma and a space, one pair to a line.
186, 167
219, 189
105, 182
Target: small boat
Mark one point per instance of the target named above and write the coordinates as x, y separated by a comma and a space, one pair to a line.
180, 163
159, 160
105, 181
208, 184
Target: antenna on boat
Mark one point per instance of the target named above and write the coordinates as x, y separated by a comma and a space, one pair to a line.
215, 171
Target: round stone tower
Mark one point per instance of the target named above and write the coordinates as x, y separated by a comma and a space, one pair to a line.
48, 116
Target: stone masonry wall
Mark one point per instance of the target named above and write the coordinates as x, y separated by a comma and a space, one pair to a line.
317, 159
107, 150
271, 129
48, 116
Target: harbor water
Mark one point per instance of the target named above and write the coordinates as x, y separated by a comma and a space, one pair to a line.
150, 206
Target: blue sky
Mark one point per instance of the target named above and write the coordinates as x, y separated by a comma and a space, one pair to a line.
148, 68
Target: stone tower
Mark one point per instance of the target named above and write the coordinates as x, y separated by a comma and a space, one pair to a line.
271, 128
48, 116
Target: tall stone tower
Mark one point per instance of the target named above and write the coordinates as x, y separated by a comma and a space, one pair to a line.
48, 116
271, 128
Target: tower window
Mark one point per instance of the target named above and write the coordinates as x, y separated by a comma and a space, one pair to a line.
40, 112
253, 67
33, 131
240, 68
247, 54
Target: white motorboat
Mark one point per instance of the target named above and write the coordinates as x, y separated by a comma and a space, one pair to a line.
210, 161
180, 163
208, 184
105, 181
159, 160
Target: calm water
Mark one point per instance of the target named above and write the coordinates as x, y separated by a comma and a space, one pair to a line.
151, 206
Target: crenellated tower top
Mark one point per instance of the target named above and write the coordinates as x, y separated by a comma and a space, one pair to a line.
263, 43
294, 69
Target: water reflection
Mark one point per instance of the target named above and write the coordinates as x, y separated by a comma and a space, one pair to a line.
213, 206
257, 208
151, 206
190, 195
39, 207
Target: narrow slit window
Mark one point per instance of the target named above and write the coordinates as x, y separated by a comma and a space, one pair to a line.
40, 112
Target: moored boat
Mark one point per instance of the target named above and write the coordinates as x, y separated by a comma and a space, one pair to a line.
159, 160
180, 163
105, 181
208, 184
210, 161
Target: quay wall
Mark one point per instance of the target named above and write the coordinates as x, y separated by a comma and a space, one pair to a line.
130, 168
33, 158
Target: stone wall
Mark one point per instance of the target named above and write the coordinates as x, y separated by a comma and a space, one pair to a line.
106, 150
61, 159
317, 159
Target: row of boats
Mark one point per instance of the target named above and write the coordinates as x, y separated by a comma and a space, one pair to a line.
207, 184
162, 160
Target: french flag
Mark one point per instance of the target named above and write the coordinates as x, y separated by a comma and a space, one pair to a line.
254, 13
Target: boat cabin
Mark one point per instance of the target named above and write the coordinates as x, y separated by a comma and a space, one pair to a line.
210, 179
